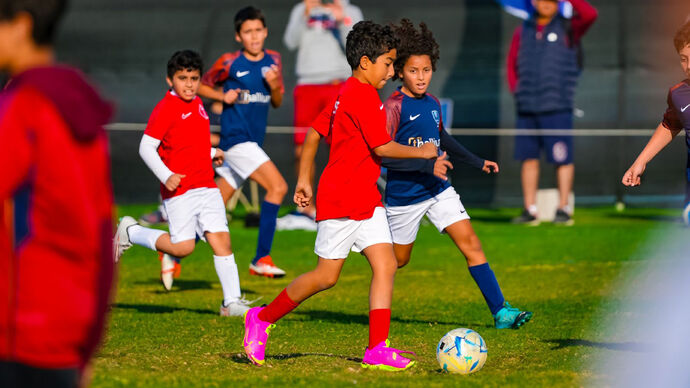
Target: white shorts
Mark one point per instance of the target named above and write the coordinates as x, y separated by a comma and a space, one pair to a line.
241, 160
195, 212
443, 210
335, 238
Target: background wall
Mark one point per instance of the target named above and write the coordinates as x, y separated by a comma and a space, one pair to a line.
630, 63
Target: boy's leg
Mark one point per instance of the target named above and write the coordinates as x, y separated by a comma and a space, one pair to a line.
268, 177
226, 269
130, 232
527, 151
559, 151
404, 224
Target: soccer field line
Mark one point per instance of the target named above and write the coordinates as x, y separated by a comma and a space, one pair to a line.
453, 131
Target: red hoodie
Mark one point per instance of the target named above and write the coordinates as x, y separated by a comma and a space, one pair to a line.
56, 267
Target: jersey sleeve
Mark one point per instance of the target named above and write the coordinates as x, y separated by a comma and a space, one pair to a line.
372, 122
275, 56
160, 121
220, 71
322, 123
393, 106
671, 120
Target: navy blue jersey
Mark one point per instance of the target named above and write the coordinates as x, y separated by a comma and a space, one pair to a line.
413, 122
245, 120
677, 114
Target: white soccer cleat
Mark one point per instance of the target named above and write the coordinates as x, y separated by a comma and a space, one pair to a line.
265, 267
121, 241
295, 222
167, 270
236, 308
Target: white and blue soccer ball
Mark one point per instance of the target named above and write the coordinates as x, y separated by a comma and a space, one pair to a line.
686, 214
461, 351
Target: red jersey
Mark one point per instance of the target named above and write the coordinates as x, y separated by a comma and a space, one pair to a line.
184, 131
56, 264
355, 123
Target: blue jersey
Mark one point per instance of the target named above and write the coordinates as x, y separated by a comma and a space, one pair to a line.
677, 117
413, 122
245, 120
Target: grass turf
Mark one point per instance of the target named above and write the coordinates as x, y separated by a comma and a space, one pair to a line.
563, 274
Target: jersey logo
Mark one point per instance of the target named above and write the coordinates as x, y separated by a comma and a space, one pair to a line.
265, 70
241, 74
202, 112
381, 107
436, 116
413, 118
185, 115
683, 109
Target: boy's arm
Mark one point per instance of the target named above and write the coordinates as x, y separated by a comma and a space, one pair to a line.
438, 167
148, 152
215, 75
584, 16
274, 79
511, 62
303, 191
395, 150
295, 27
459, 152
661, 137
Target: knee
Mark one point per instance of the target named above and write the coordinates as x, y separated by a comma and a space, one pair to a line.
183, 249
279, 188
402, 261
327, 281
471, 243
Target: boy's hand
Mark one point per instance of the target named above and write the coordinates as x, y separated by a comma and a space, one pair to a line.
632, 177
441, 166
219, 157
429, 151
231, 96
303, 194
272, 77
309, 4
337, 10
174, 181
490, 167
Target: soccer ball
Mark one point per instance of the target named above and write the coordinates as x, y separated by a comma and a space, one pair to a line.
461, 351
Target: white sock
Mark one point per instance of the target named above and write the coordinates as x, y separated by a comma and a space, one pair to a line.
532, 209
143, 236
226, 268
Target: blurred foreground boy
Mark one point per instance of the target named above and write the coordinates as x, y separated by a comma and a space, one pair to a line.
56, 267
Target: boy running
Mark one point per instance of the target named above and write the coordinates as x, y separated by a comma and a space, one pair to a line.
251, 78
176, 146
350, 215
676, 118
416, 188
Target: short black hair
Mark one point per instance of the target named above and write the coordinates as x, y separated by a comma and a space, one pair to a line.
682, 37
46, 15
185, 60
368, 39
414, 42
248, 13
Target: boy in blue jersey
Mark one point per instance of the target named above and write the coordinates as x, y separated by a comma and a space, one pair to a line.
676, 118
251, 79
419, 187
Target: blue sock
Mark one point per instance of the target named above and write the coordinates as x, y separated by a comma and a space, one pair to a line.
488, 285
267, 228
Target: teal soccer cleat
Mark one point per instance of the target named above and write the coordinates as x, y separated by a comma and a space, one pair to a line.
511, 318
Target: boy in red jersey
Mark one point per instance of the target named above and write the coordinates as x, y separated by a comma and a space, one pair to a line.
176, 146
56, 267
350, 214
676, 118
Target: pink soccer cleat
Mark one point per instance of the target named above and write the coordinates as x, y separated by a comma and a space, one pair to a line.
255, 335
386, 358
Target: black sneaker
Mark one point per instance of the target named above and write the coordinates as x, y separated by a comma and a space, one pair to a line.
526, 218
563, 218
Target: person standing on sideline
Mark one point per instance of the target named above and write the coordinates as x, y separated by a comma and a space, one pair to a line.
543, 68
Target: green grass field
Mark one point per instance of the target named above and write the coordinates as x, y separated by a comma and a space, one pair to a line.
568, 276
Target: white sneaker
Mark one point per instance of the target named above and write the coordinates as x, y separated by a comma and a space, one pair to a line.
167, 270
121, 241
295, 222
236, 308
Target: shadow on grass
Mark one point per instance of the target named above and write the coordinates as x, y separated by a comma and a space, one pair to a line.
158, 309
635, 347
241, 358
362, 319
181, 284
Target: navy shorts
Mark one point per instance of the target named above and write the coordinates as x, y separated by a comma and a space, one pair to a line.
559, 149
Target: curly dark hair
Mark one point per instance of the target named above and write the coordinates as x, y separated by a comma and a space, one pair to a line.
185, 60
368, 39
248, 13
682, 37
414, 42
46, 15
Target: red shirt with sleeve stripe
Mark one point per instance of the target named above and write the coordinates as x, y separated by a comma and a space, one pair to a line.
184, 131
56, 201
355, 123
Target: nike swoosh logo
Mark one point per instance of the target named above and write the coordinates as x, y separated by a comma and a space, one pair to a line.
185, 115
381, 107
686, 107
413, 118
241, 74
464, 211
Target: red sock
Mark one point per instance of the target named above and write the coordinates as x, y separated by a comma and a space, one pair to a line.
277, 309
379, 324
